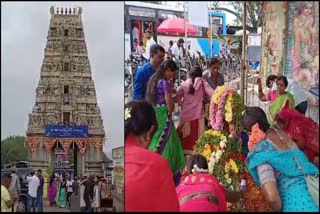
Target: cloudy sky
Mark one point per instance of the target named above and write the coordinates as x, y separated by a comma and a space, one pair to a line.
24, 29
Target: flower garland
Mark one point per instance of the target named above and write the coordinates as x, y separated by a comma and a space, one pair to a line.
221, 107
225, 160
256, 136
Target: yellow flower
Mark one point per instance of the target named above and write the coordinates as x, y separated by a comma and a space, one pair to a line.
218, 92
207, 146
234, 166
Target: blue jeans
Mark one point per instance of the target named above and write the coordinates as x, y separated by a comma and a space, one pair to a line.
31, 203
88, 208
40, 203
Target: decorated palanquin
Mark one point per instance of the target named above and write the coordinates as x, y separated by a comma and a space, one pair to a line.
223, 149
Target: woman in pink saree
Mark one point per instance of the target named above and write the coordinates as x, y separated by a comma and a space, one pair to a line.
199, 191
52, 191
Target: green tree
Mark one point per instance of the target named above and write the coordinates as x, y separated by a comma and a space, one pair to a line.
12, 149
253, 11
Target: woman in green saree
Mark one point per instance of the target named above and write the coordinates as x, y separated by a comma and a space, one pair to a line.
279, 98
61, 198
165, 141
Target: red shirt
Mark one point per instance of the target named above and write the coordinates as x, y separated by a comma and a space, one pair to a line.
149, 184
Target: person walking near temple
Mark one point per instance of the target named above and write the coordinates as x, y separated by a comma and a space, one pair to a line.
14, 188
33, 185
88, 194
75, 186
52, 192
69, 190
6, 202
40, 191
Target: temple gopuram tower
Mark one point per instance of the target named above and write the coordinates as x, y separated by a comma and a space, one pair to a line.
65, 128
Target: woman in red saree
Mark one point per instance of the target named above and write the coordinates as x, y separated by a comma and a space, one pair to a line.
149, 184
199, 191
303, 130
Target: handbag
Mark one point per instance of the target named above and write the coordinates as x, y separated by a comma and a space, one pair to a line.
312, 181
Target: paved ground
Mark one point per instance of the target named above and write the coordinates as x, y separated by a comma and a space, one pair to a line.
47, 208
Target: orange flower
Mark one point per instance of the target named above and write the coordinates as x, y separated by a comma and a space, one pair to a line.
256, 136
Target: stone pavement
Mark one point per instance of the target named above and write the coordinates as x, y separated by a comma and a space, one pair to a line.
47, 208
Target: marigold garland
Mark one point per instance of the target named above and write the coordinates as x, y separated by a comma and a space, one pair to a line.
256, 136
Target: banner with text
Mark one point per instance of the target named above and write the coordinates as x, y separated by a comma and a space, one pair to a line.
66, 131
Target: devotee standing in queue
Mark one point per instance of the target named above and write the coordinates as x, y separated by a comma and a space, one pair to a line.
144, 73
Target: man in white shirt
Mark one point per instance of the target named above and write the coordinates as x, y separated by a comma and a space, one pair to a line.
177, 49
33, 184
150, 42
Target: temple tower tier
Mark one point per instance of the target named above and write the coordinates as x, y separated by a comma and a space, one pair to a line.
65, 129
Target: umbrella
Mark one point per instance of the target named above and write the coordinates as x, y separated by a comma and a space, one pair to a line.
175, 25
240, 33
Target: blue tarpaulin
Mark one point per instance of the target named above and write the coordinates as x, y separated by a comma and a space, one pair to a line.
66, 131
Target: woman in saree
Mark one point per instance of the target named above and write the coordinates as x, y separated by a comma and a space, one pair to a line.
191, 96
52, 191
61, 198
303, 130
274, 161
279, 99
165, 141
199, 191
148, 180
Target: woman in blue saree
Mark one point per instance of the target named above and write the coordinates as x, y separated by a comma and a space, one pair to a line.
273, 163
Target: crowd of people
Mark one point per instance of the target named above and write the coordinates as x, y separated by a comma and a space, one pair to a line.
90, 194
283, 159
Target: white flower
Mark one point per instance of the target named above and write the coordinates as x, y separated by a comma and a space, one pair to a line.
231, 187
219, 152
229, 180
213, 154
127, 114
211, 166
222, 144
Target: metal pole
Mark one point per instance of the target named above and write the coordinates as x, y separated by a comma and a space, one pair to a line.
243, 50
185, 26
210, 28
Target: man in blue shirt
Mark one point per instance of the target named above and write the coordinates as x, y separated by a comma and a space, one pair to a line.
144, 73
